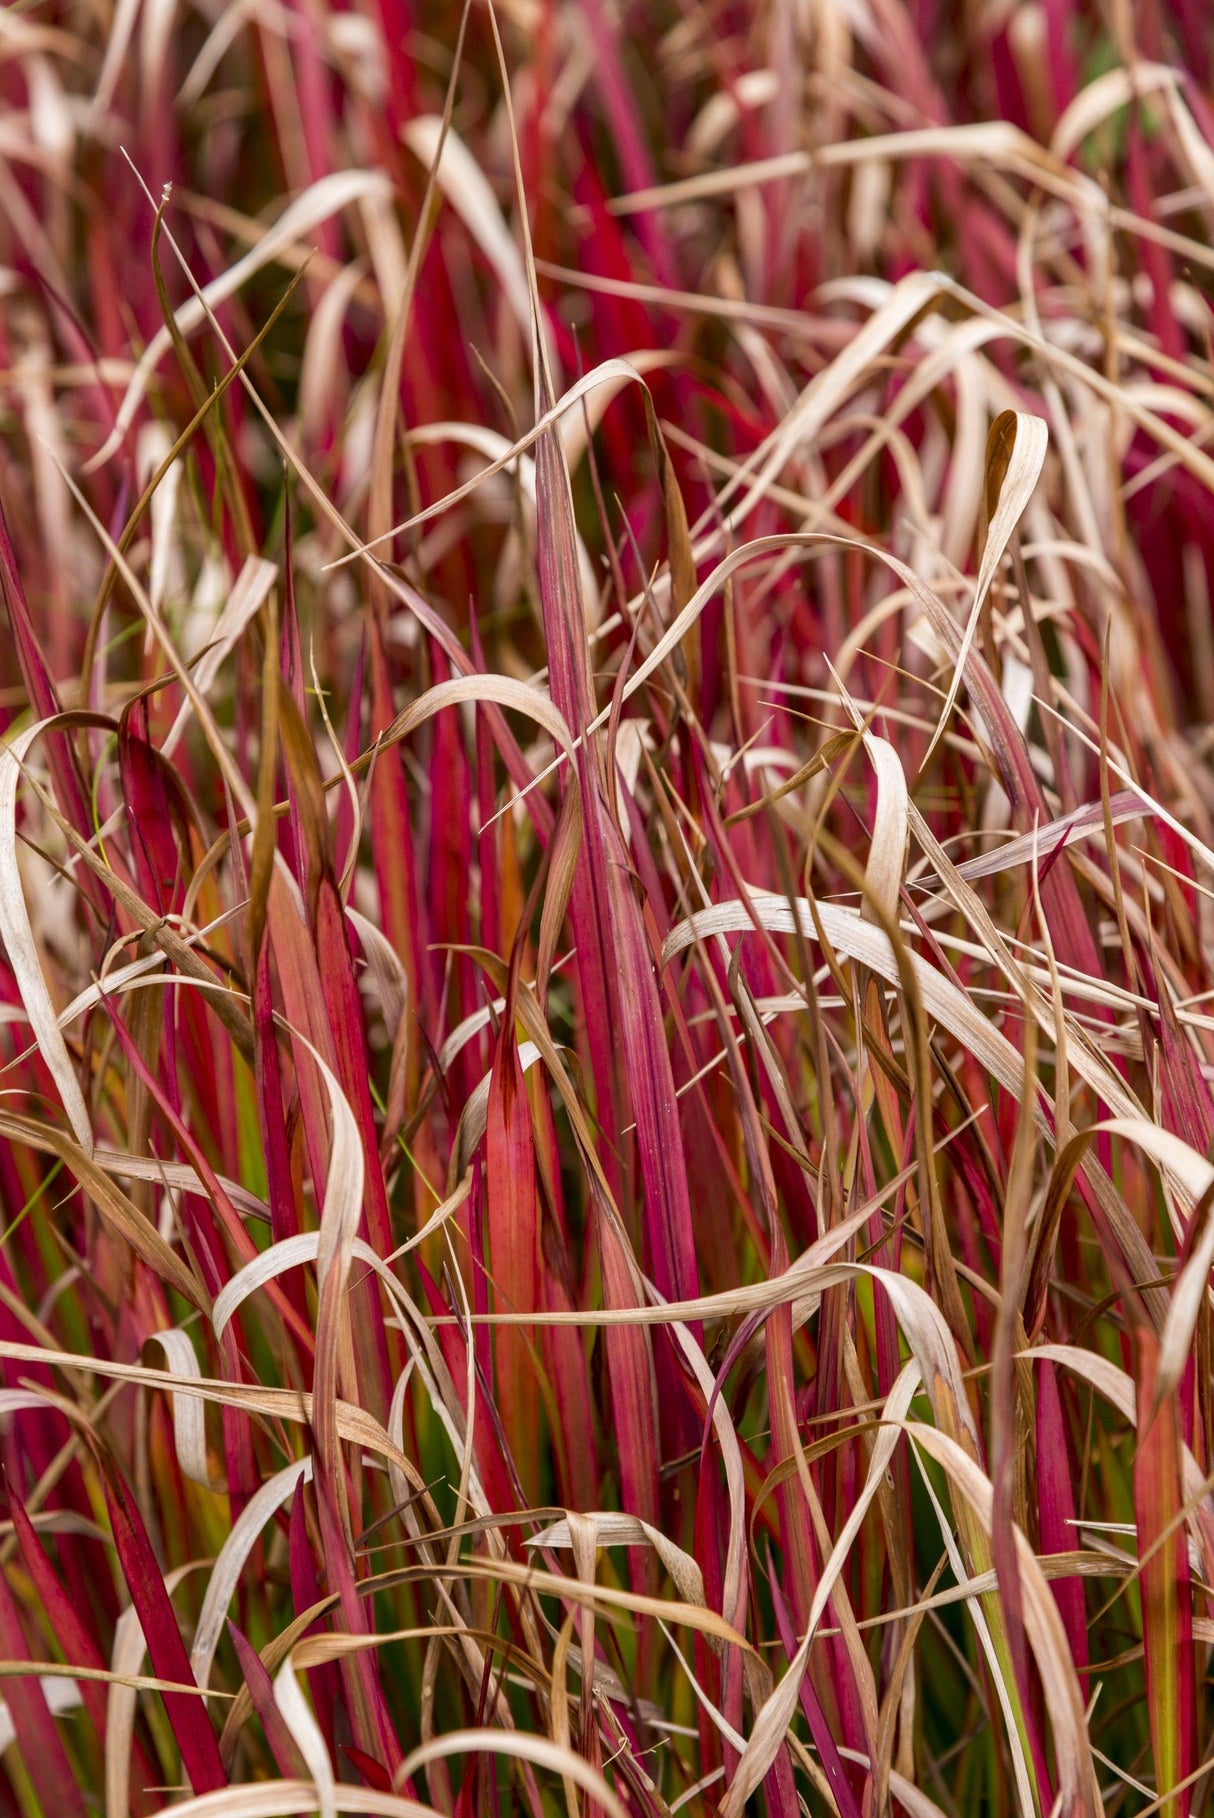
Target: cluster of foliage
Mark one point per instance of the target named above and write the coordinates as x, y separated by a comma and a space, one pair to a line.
606, 954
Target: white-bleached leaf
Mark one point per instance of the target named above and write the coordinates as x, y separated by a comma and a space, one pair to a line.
225, 1573
383, 962
17, 938
852, 936
244, 602
890, 838
497, 449
180, 1177
1024, 466
293, 1799
1180, 1163
476, 1108
275, 1260
20, 1401
1108, 1378
1177, 1338
503, 691
538, 1750
828, 389
1081, 824
617, 1530
1105, 96
891, 831
613, 373
306, 1735
343, 1199
471, 195
189, 1412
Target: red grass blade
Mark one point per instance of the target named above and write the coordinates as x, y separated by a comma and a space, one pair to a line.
261, 1689
188, 1716
42, 1753
66, 1620
512, 1208
1056, 1507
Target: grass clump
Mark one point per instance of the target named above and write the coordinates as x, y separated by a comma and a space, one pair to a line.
605, 950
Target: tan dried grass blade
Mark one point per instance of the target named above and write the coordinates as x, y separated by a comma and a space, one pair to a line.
17, 936
1015, 455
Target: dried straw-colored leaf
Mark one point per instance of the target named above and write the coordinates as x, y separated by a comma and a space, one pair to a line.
189, 1429
21, 947
537, 1750
225, 1573
307, 1737
1015, 455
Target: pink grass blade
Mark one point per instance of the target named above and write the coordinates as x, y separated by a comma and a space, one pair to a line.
513, 1226
562, 1347
572, 688
633, 1385
663, 1168
157, 812
592, 904
1056, 1508
225, 1218
605, 908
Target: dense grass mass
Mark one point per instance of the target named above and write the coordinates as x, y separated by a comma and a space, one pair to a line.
606, 955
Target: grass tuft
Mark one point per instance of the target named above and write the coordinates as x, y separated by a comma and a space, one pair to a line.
606, 955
